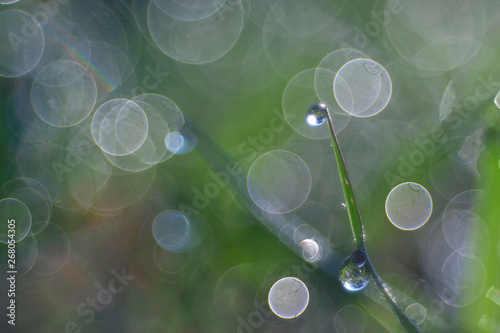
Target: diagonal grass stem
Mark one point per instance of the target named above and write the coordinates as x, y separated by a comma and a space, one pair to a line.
358, 232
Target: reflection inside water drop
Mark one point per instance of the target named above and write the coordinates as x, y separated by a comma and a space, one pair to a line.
353, 273
316, 114
358, 258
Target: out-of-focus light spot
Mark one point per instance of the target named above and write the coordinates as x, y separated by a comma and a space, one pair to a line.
408, 206
362, 87
447, 102
64, 93
279, 181
174, 141
350, 319
441, 41
197, 41
22, 43
493, 294
497, 100
489, 324
119, 127
172, 231
310, 250
461, 280
465, 231
288, 297
54, 250
416, 312
15, 216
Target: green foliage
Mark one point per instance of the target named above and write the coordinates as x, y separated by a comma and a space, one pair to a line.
359, 236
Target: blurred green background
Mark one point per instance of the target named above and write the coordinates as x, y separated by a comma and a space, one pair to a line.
170, 238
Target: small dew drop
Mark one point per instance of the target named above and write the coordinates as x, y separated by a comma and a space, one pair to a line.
316, 114
353, 273
358, 258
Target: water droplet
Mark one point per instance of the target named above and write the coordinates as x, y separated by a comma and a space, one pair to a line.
316, 115
353, 273
358, 258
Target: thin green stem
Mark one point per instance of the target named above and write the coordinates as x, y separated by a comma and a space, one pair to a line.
352, 207
359, 235
408, 325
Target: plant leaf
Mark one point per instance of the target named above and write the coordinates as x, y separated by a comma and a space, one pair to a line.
359, 235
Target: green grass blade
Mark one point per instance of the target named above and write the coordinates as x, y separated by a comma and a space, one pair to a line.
352, 206
408, 325
484, 313
359, 235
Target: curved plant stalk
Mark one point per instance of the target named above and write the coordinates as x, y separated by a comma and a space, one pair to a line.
358, 233
214, 154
